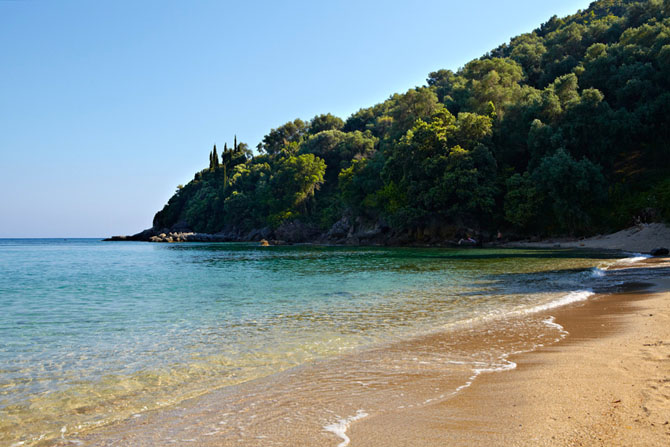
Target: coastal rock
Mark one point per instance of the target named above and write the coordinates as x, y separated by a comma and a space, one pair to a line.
197, 237
180, 236
258, 234
340, 229
228, 234
141, 236
296, 231
368, 233
661, 251
174, 237
118, 238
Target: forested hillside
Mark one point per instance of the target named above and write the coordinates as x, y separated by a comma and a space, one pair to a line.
564, 130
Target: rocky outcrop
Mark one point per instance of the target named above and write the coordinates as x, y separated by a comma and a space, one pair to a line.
661, 251
340, 229
346, 231
259, 234
288, 233
357, 232
167, 235
189, 237
295, 232
141, 236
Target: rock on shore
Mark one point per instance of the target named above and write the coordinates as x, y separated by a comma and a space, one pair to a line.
643, 238
343, 231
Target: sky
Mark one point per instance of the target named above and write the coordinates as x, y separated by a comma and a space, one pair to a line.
106, 106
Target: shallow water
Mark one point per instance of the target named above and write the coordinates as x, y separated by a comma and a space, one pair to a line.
94, 332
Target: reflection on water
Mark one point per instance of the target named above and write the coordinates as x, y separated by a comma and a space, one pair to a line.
92, 332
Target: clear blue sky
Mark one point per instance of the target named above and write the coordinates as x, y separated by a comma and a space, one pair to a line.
106, 106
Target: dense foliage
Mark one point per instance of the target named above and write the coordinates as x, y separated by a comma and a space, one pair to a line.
564, 130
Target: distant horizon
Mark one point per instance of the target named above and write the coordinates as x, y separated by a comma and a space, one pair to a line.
111, 106
51, 237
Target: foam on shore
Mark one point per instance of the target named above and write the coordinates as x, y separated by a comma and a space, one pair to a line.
635, 257
340, 427
572, 297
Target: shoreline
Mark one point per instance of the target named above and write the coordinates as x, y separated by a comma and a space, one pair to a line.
642, 238
606, 383
360, 421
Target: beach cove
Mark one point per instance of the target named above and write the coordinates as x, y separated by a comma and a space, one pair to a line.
600, 379
367, 224
401, 332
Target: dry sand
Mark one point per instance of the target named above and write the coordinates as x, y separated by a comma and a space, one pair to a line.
606, 384
639, 239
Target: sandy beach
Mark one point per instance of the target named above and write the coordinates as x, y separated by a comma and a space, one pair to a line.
607, 383
638, 239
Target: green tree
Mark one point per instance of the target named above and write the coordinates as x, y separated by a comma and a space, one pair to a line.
574, 189
294, 181
215, 158
321, 123
419, 103
442, 178
360, 184
338, 148
291, 132
523, 203
493, 80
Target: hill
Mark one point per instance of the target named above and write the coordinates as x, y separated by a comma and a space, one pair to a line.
562, 131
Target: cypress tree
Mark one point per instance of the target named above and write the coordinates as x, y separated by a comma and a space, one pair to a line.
215, 158
225, 177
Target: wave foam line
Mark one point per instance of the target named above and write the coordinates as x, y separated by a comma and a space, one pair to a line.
340, 427
551, 322
507, 365
632, 259
636, 257
572, 297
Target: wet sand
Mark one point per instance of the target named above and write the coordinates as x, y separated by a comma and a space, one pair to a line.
606, 383
313, 405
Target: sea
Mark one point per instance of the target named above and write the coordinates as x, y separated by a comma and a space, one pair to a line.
94, 333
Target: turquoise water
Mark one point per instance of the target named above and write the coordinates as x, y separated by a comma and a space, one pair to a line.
92, 332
